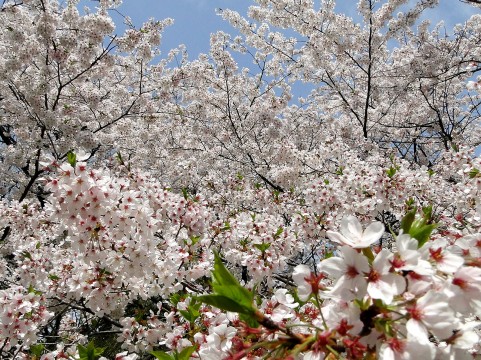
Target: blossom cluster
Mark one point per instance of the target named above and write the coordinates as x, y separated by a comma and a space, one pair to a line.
418, 301
113, 239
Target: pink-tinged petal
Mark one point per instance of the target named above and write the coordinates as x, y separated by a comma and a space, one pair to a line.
382, 262
450, 263
386, 352
398, 283
402, 349
300, 273
338, 238
351, 228
387, 290
420, 350
355, 259
349, 289
353, 235
359, 286
373, 233
304, 292
436, 314
405, 242
417, 331
467, 336
374, 290
468, 279
432, 300
334, 267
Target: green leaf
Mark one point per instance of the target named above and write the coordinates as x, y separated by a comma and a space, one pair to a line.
431, 172
37, 350
38, 245
226, 226
192, 312
194, 240
262, 247
119, 158
72, 158
226, 303
422, 232
244, 242
408, 220
275, 194
187, 316
367, 252
250, 320
420, 228
278, 233
428, 213
391, 171
221, 275
340, 171
31, 290
236, 293
473, 173
228, 294
162, 355
53, 277
89, 352
186, 353
224, 283
175, 298
328, 255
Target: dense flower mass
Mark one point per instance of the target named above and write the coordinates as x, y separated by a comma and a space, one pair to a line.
191, 209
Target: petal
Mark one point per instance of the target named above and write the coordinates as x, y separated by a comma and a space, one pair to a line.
382, 262
420, 350
398, 283
334, 267
300, 273
417, 331
386, 352
357, 260
338, 238
351, 228
376, 291
304, 292
373, 233
450, 262
405, 242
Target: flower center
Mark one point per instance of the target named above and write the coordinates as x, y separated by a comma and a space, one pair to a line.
415, 313
351, 272
463, 284
397, 345
374, 276
397, 262
436, 255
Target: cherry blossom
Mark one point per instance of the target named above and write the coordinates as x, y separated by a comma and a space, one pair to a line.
431, 312
349, 271
353, 235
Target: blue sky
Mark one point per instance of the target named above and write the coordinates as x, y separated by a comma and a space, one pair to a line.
195, 20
